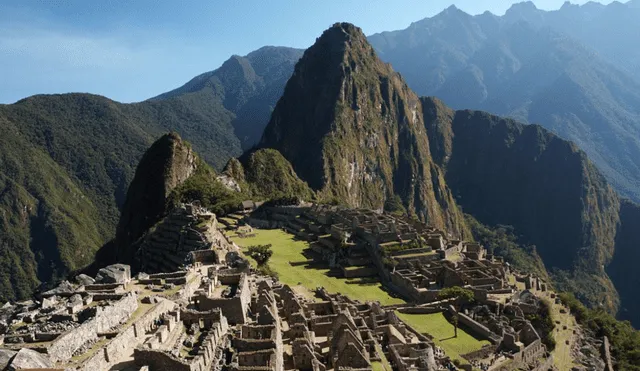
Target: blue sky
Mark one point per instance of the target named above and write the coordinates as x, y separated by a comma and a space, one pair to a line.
133, 50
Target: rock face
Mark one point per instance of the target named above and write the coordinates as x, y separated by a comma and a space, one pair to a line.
5, 357
353, 131
503, 172
572, 71
167, 164
29, 359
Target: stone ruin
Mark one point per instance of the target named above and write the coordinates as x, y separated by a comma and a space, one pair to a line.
213, 312
188, 233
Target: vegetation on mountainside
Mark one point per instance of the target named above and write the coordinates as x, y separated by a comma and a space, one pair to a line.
78, 152
623, 269
506, 173
624, 339
542, 321
47, 224
203, 186
501, 241
270, 176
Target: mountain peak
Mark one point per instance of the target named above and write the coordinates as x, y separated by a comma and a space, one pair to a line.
353, 130
165, 165
525, 6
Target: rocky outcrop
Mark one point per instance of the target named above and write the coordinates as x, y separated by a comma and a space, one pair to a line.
167, 164
353, 130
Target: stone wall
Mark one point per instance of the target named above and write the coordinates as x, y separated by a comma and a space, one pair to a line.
475, 327
203, 256
421, 310
235, 308
105, 319
121, 345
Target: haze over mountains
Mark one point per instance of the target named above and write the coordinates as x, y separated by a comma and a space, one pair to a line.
353, 129
574, 71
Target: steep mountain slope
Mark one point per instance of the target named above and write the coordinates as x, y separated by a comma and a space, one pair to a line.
624, 266
507, 66
353, 130
247, 87
49, 226
503, 172
168, 163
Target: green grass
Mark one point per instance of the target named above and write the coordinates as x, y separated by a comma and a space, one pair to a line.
286, 249
442, 332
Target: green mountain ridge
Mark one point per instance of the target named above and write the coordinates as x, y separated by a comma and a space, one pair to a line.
90, 146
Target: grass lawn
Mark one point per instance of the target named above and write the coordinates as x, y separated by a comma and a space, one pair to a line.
442, 332
286, 249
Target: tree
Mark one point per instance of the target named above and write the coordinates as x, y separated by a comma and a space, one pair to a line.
454, 320
461, 295
260, 253
457, 292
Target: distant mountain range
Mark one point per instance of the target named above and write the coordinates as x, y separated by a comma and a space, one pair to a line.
573, 71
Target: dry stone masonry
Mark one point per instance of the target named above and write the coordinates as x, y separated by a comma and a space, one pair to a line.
205, 308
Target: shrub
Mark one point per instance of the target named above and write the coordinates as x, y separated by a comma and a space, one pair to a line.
457, 292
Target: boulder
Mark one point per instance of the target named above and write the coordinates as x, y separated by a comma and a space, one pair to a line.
84, 280
5, 357
65, 287
49, 302
29, 359
116, 273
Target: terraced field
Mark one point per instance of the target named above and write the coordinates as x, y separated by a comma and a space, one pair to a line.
437, 326
287, 250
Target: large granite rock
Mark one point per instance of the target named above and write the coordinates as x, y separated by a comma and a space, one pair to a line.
29, 359
116, 273
5, 357
83, 279
63, 288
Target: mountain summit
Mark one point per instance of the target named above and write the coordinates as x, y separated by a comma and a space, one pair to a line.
354, 131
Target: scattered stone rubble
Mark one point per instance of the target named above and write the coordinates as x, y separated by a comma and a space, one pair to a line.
213, 312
